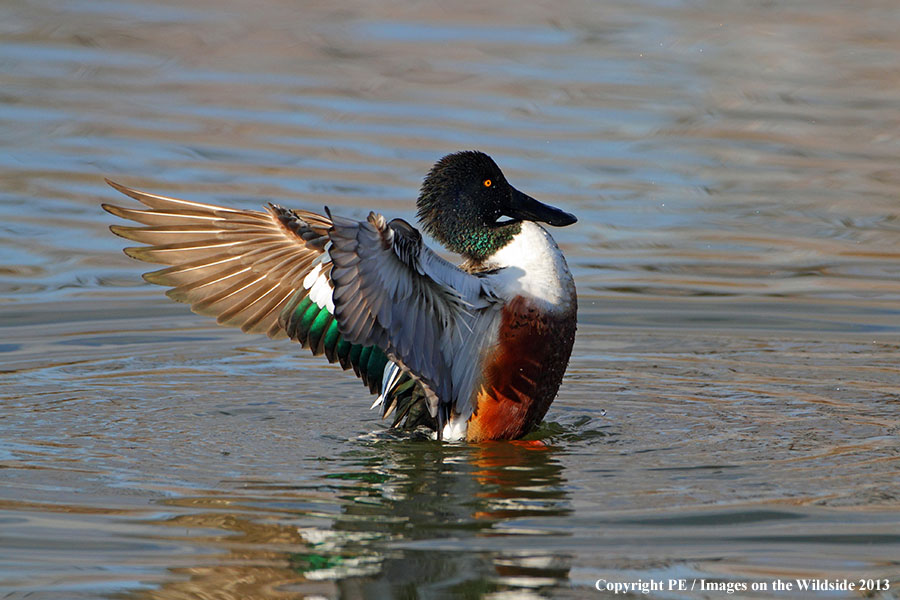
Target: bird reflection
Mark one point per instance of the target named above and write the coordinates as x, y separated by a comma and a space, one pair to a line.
465, 520
416, 519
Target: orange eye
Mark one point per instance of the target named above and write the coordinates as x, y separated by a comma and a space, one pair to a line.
487, 183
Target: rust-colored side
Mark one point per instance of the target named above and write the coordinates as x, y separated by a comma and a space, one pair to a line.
524, 372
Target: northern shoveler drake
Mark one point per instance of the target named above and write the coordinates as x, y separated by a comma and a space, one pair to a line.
474, 352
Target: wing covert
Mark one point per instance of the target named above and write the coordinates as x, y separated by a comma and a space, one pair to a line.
429, 316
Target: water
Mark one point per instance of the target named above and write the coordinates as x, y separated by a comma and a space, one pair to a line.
730, 411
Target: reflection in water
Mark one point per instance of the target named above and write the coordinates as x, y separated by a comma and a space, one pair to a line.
416, 518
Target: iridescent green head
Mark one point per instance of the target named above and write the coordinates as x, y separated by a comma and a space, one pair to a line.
467, 205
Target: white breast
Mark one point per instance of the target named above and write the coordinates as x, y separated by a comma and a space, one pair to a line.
532, 265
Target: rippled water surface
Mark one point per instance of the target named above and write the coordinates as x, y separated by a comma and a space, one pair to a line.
731, 408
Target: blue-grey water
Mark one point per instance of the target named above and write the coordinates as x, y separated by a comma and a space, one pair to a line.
731, 408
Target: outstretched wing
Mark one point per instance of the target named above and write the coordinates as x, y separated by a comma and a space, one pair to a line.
359, 292
265, 272
429, 317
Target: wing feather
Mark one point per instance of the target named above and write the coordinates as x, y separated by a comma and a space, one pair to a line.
430, 317
243, 267
339, 286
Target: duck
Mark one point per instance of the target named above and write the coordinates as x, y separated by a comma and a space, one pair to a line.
475, 351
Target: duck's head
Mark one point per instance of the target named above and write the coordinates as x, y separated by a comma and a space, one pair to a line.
466, 204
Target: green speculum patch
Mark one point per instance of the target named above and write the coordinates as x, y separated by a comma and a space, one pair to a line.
315, 327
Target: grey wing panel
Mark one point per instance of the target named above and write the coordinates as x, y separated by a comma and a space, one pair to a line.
426, 314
